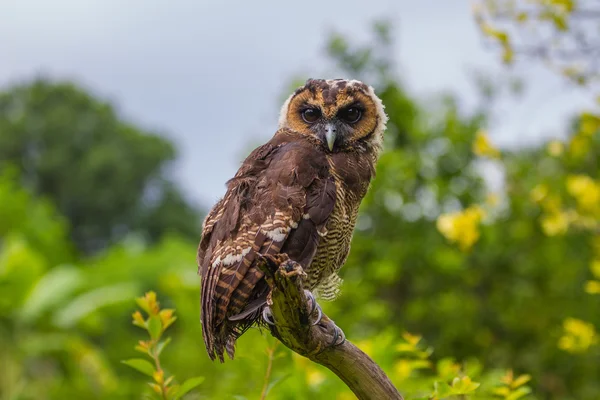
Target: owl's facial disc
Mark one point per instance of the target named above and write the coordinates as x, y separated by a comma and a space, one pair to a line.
334, 127
338, 113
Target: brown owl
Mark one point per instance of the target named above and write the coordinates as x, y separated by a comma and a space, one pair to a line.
297, 194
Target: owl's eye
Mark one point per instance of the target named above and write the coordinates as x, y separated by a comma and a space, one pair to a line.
311, 115
350, 115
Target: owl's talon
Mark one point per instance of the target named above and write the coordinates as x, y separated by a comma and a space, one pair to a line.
314, 306
313, 302
267, 316
319, 315
339, 337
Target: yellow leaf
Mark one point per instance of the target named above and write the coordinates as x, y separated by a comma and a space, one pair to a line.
502, 391
403, 369
156, 388
508, 377
159, 376
482, 146
520, 381
410, 338
508, 54
464, 385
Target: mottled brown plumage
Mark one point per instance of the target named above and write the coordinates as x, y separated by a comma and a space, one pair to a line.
297, 194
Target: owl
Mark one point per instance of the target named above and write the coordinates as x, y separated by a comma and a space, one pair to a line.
298, 194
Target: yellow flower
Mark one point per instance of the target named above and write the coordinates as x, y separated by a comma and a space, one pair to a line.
461, 227
595, 268
539, 193
483, 147
556, 148
579, 146
585, 190
590, 124
578, 336
314, 377
555, 223
592, 287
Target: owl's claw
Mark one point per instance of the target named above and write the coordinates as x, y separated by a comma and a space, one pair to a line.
314, 306
319, 315
339, 337
267, 315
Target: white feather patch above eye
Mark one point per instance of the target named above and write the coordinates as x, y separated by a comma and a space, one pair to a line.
235, 258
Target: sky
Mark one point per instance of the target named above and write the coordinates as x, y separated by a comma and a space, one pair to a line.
210, 74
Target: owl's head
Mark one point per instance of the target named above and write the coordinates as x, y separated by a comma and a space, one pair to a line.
340, 114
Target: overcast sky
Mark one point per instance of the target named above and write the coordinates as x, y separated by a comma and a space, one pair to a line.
211, 73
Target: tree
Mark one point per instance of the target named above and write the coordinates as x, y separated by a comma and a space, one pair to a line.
478, 274
107, 176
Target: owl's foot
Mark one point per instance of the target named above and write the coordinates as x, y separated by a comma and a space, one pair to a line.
337, 335
267, 315
323, 321
314, 306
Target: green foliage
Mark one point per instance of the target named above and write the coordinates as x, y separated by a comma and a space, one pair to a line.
104, 174
494, 282
503, 300
156, 324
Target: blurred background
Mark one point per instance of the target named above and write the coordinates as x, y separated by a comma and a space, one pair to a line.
477, 249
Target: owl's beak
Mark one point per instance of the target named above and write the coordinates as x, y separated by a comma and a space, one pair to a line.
330, 135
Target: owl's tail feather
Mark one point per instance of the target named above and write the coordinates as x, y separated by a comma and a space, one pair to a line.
251, 311
227, 334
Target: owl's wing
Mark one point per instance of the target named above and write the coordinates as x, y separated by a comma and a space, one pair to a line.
280, 198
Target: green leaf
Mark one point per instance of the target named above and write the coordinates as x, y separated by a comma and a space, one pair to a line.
93, 300
155, 327
442, 389
187, 386
464, 385
519, 393
161, 345
141, 365
52, 288
276, 381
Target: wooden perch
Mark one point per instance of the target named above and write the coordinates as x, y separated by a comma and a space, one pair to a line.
293, 326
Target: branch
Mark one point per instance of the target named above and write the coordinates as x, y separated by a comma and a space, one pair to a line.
293, 327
